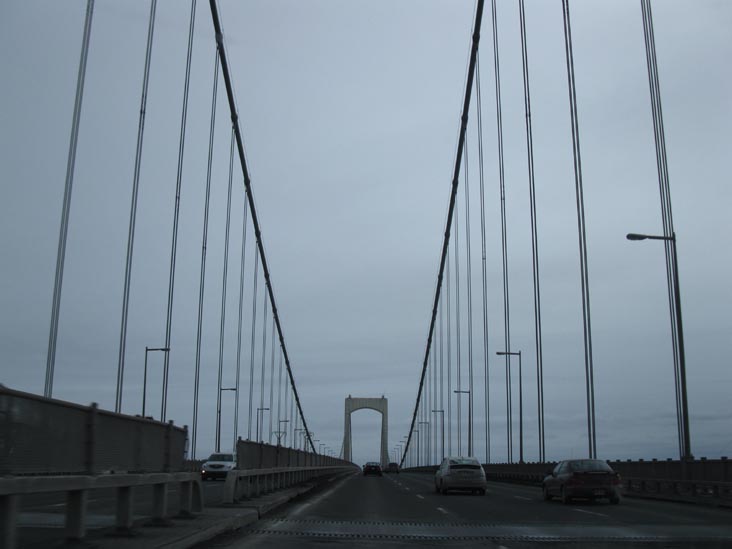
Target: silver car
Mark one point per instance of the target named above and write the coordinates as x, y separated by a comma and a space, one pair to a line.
460, 473
218, 466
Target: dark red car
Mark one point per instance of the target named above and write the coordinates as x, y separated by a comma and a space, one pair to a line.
372, 468
582, 478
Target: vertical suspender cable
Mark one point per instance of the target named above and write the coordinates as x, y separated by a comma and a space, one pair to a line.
504, 245
176, 212
222, 327
666, 212
64, 230
458, 341
470, 306
260, 423
581, 230
451, 207
204, 243
253, 341
449, 359
534, 237
239, 330
133, 211
486, 387
250, 197
442, 382
271, 382
279, 401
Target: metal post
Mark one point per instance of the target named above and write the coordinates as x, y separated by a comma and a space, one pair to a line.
259, 410
521, 414
682, 356
685, 435
442, 424
144, 379
144, 383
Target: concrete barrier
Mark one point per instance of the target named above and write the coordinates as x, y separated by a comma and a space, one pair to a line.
77, 489
248, 483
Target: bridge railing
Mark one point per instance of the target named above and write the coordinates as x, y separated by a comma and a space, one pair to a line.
260, 455
44, 436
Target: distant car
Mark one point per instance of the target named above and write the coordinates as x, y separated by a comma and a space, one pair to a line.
460, 473
372, 468
392, 468
217, 466
582, 478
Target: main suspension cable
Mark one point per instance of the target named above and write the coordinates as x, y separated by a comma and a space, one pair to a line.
250, 198
451, 207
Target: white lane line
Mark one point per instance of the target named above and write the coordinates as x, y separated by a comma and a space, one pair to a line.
441, 510
591, 513
420, 496
406, 488
522, 497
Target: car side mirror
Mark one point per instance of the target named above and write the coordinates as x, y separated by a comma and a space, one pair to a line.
549, 473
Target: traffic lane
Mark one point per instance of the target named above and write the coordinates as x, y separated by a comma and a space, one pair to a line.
506, 502
365, 498
353, 511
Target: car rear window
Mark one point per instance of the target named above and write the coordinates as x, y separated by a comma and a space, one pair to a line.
589, 465
221, 457
464, 464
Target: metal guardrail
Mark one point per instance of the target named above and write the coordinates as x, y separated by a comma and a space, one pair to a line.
77, 489
44, 436
250, 483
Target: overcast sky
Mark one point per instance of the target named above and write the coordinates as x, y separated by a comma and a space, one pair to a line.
350, 113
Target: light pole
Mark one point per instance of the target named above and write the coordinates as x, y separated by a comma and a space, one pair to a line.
521, 404
320, 447
470, 421
685, 435
260, 410
280, 432
144, 380
429, 441
218, 418
442, 424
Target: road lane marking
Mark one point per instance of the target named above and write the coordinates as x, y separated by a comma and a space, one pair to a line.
441, 510
591, 513
420, 496
522, 497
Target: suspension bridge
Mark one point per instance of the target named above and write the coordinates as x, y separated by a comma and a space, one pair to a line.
227, 271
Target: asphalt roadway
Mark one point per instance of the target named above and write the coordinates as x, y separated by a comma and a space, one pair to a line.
404, 511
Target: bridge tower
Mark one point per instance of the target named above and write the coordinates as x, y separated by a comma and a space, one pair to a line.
380, 405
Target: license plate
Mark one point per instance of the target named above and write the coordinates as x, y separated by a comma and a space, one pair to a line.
599, 492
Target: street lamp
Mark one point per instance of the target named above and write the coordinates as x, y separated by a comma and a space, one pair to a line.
429, 441
320, 447
218, 418
144, 380
521, 404
470, 420
685, 435
280, 432
260, 410
442, 423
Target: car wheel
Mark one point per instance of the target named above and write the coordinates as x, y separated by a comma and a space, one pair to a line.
565, 498
443, 488
437, 488
481, 491
615, 499
546, 494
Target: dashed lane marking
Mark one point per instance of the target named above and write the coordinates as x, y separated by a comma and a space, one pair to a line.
522, 497
441, 510
420, 496
590, 513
